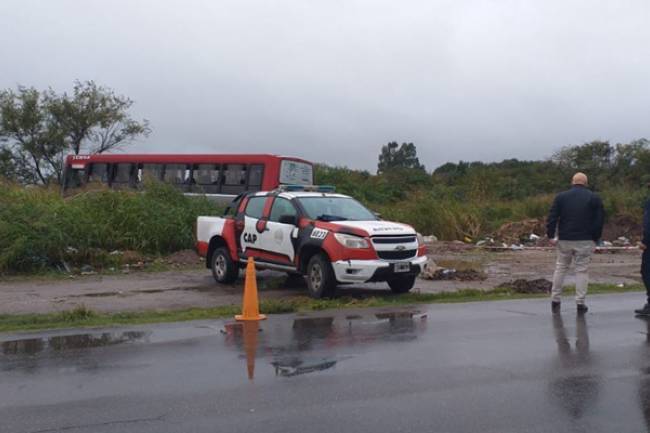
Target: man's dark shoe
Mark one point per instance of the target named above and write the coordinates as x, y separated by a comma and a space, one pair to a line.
582, 309
645, 311
555, 307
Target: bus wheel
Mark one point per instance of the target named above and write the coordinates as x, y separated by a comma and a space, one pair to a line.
402, 284
224, 270
321, 281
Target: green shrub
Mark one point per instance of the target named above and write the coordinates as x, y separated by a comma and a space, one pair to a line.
38, 228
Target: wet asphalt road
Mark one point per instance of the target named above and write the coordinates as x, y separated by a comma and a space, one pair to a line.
490, 367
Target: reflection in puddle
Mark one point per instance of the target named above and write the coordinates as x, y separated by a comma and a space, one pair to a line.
315, 344
576, 386
296, 366
60, 343
396, 315
644, 377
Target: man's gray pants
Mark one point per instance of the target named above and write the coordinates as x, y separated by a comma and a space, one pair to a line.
578, 252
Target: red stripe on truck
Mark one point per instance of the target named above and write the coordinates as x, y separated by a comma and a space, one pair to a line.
202, 248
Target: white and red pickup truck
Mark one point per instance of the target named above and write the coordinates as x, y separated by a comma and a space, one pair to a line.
327, 237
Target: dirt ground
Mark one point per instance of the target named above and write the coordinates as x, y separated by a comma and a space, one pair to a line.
196, 288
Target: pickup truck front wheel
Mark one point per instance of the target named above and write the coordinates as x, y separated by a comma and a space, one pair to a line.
402, 284
224, 270
321, 281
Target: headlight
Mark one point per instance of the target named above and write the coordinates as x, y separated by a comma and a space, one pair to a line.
420, 239
350, 241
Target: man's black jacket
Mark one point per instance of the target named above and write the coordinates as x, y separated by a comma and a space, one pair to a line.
646, 224
578, 214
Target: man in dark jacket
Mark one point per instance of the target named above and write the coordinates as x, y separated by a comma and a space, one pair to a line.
577, 217
645, 259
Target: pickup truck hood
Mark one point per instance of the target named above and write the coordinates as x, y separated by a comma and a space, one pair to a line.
374, 228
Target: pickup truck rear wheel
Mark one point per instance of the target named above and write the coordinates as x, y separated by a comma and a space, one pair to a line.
402, 284
321, 281
224, 270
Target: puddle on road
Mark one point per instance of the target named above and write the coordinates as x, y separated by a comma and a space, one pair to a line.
97, 295
143, 292
33, 346
319, 344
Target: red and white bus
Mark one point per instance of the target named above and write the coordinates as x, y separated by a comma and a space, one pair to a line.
221, 175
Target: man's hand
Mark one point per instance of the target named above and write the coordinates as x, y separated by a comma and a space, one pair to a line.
642, 246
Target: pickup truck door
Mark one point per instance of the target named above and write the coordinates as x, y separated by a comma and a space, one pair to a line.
281, 230
253, 226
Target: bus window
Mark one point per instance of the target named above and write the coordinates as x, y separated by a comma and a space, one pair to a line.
177, 174
150, 172
234, 179
255, 177
206, 178
75, 178
98, 173
122, 175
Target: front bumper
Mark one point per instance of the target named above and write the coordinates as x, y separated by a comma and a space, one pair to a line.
361, 271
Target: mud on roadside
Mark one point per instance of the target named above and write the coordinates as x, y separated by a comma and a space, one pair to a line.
187, 288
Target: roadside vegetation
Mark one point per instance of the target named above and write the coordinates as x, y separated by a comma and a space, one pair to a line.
473, 199
40, 230
82, 317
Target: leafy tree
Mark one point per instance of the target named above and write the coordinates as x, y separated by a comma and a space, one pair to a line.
596, 155
631, 162
94, 119
393, 156
37, 129
7, 166
595, 159
32, 144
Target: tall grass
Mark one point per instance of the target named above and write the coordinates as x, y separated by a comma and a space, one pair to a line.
450, 218
39, 229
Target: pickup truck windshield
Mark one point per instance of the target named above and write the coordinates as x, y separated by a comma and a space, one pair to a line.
335, 209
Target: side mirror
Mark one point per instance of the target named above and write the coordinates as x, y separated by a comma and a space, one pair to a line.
288, 219
377, 214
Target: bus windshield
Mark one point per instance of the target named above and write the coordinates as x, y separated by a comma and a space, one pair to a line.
296, 173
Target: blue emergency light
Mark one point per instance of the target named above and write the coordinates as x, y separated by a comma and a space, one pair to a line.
310, 188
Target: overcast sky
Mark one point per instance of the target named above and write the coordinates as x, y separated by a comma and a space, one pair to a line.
333, 80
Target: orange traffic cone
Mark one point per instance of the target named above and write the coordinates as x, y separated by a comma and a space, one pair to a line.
251, 329
251, 306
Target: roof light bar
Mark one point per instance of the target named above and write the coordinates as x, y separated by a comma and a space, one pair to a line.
307, 188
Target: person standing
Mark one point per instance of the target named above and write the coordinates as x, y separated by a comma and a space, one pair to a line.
645, 259
577, 216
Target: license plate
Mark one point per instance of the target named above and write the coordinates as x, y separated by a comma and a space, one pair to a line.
402, 267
